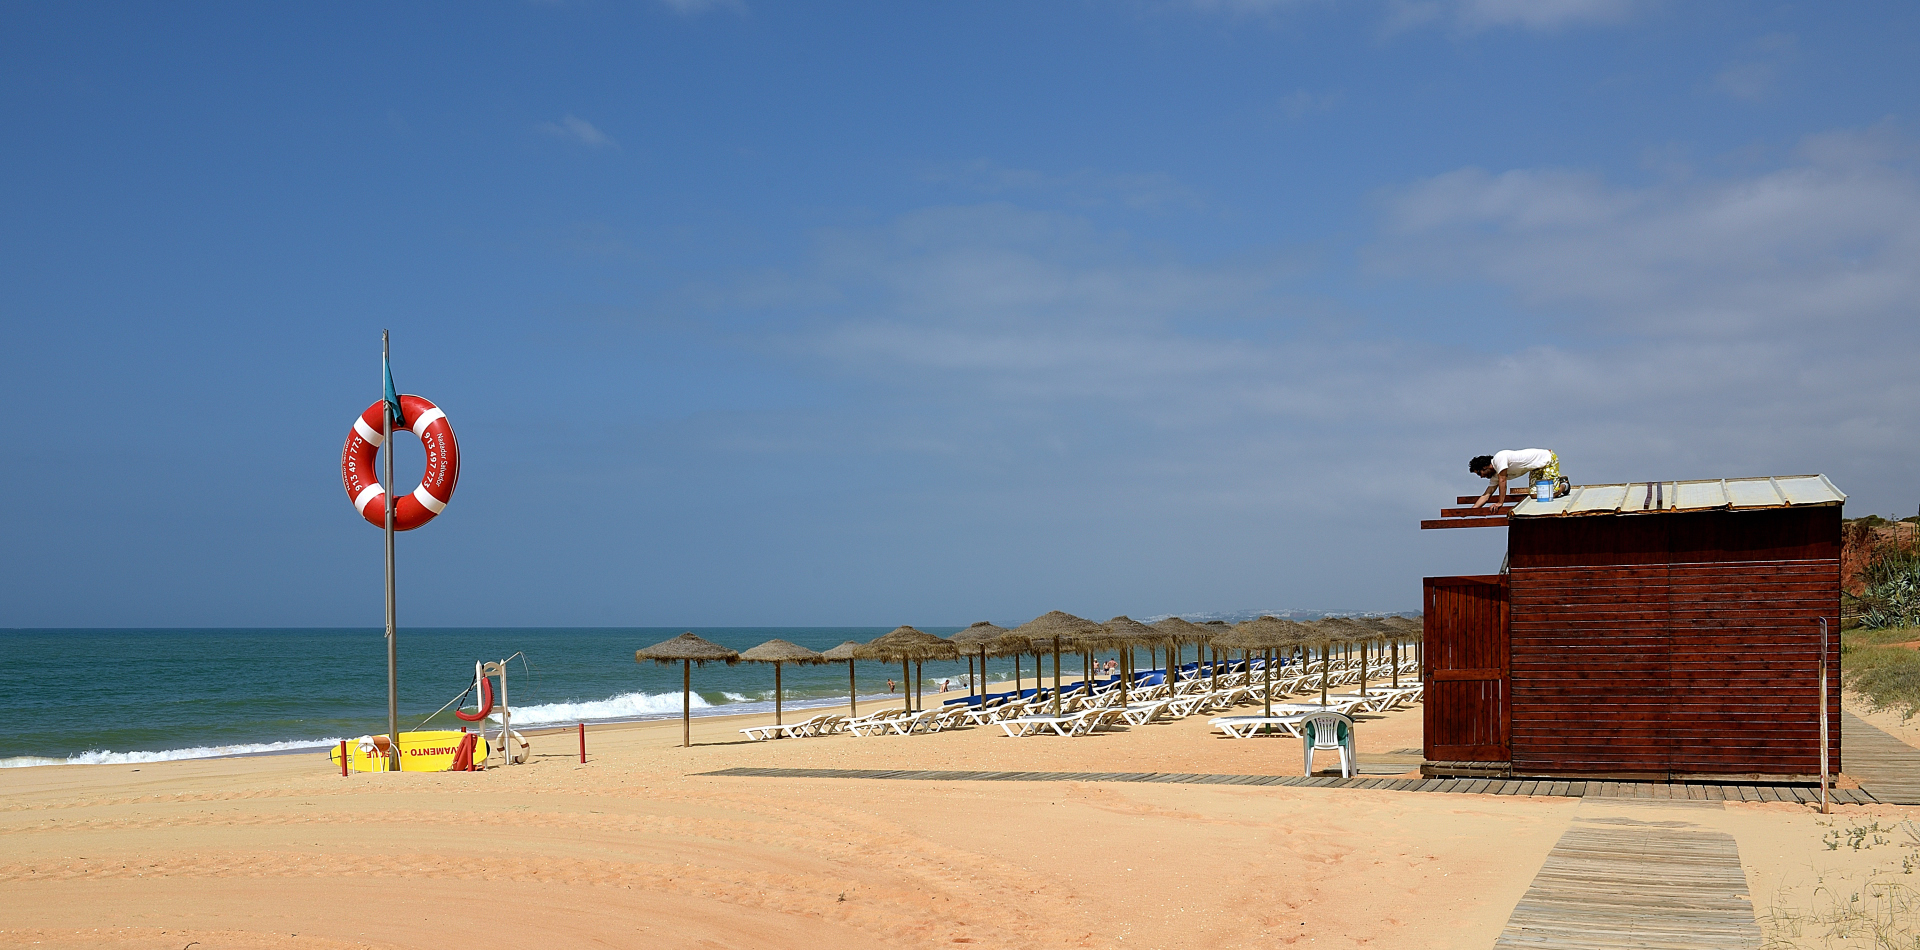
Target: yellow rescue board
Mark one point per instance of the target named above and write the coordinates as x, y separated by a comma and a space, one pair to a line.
419, 752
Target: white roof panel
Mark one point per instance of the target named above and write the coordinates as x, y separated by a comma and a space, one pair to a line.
1765, 491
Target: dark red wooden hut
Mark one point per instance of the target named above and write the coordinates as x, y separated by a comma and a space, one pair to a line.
1659, 631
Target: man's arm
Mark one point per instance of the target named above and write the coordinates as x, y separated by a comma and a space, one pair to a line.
1496, 487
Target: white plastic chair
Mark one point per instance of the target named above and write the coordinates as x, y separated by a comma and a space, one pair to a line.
1329, 730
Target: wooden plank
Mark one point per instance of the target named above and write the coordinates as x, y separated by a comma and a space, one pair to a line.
1636, 884
1886, 768
1499, 521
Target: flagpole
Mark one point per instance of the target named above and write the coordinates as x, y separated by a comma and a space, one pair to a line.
393, 641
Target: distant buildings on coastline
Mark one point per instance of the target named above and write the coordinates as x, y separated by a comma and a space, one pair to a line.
1236, 616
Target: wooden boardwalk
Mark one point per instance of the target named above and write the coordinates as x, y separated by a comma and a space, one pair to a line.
1883, 765
1618, 882
1711, 792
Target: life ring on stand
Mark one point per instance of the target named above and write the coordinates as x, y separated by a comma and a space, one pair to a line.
436, 485
514, 746
486, 702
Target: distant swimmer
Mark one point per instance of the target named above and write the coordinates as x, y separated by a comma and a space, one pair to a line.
1539, 465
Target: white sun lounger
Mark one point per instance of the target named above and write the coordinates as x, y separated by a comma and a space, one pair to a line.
1142, 713
1246, 727
1023, 726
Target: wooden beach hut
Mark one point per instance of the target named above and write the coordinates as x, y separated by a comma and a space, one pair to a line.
1651, 631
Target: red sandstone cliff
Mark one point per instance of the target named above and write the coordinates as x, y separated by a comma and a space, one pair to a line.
1864, 541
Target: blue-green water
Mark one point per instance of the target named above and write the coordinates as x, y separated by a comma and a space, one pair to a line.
146, 695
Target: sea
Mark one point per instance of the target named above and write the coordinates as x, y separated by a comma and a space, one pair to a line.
132, 696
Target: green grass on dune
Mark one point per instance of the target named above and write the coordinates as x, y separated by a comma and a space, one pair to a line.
1888, 677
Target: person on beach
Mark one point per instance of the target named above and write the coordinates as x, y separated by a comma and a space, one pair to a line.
945, 684
889, 685
1539, 465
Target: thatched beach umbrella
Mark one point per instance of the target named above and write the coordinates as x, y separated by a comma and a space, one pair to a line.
1317, 634
1347, 630
1215, 629
1179, 630
979, 638
778, 652
1125, 633
908, 646
1266, 634
1055, 626
1015, 645
1404, 628
844, 653
686, 650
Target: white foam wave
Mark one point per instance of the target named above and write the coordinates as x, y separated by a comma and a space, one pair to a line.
623, 706
109, 757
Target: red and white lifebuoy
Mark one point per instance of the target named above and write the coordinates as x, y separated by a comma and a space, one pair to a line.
436, 485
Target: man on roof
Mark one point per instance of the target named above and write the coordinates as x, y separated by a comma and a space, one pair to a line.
1539, 465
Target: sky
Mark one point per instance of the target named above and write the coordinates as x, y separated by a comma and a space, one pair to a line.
754, 313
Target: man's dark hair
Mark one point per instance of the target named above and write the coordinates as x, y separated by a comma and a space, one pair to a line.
1479, 462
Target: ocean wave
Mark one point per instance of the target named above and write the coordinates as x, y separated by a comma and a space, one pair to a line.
623, 706
108, 757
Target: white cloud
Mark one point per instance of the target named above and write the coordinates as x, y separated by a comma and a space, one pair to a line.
1831, 239
1301, 103
1084, 188
1065, 407
1539, 15
694, 7
1753, 76
575, 129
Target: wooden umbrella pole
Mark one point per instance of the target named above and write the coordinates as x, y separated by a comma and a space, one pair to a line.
1325, 662
1268, 692
853, 693
1056, 676
686, 706
906, 684
776, 692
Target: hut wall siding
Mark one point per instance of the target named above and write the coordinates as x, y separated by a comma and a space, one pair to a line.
1679, 643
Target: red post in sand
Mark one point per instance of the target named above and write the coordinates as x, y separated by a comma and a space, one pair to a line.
343, 758
583, 743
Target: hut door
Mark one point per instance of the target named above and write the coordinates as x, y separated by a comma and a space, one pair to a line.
1468, 717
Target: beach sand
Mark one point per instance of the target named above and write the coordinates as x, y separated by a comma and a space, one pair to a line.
635, 848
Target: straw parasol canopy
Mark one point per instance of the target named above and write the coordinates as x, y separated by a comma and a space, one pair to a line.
980, 638
1349, 630
1265, 634
1057, 626
778, 652
687, 650
907, 645
1179, 630
1401, 629
844, 653
1125, 633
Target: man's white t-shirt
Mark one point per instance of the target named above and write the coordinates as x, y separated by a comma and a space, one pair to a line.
1520, 461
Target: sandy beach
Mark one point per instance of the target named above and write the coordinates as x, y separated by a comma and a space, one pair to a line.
635, 848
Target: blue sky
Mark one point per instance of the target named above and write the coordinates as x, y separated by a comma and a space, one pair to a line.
837, 313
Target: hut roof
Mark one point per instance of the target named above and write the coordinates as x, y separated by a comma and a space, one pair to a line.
781, 651
906, 643
1264, 633
842, 653
687, 647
